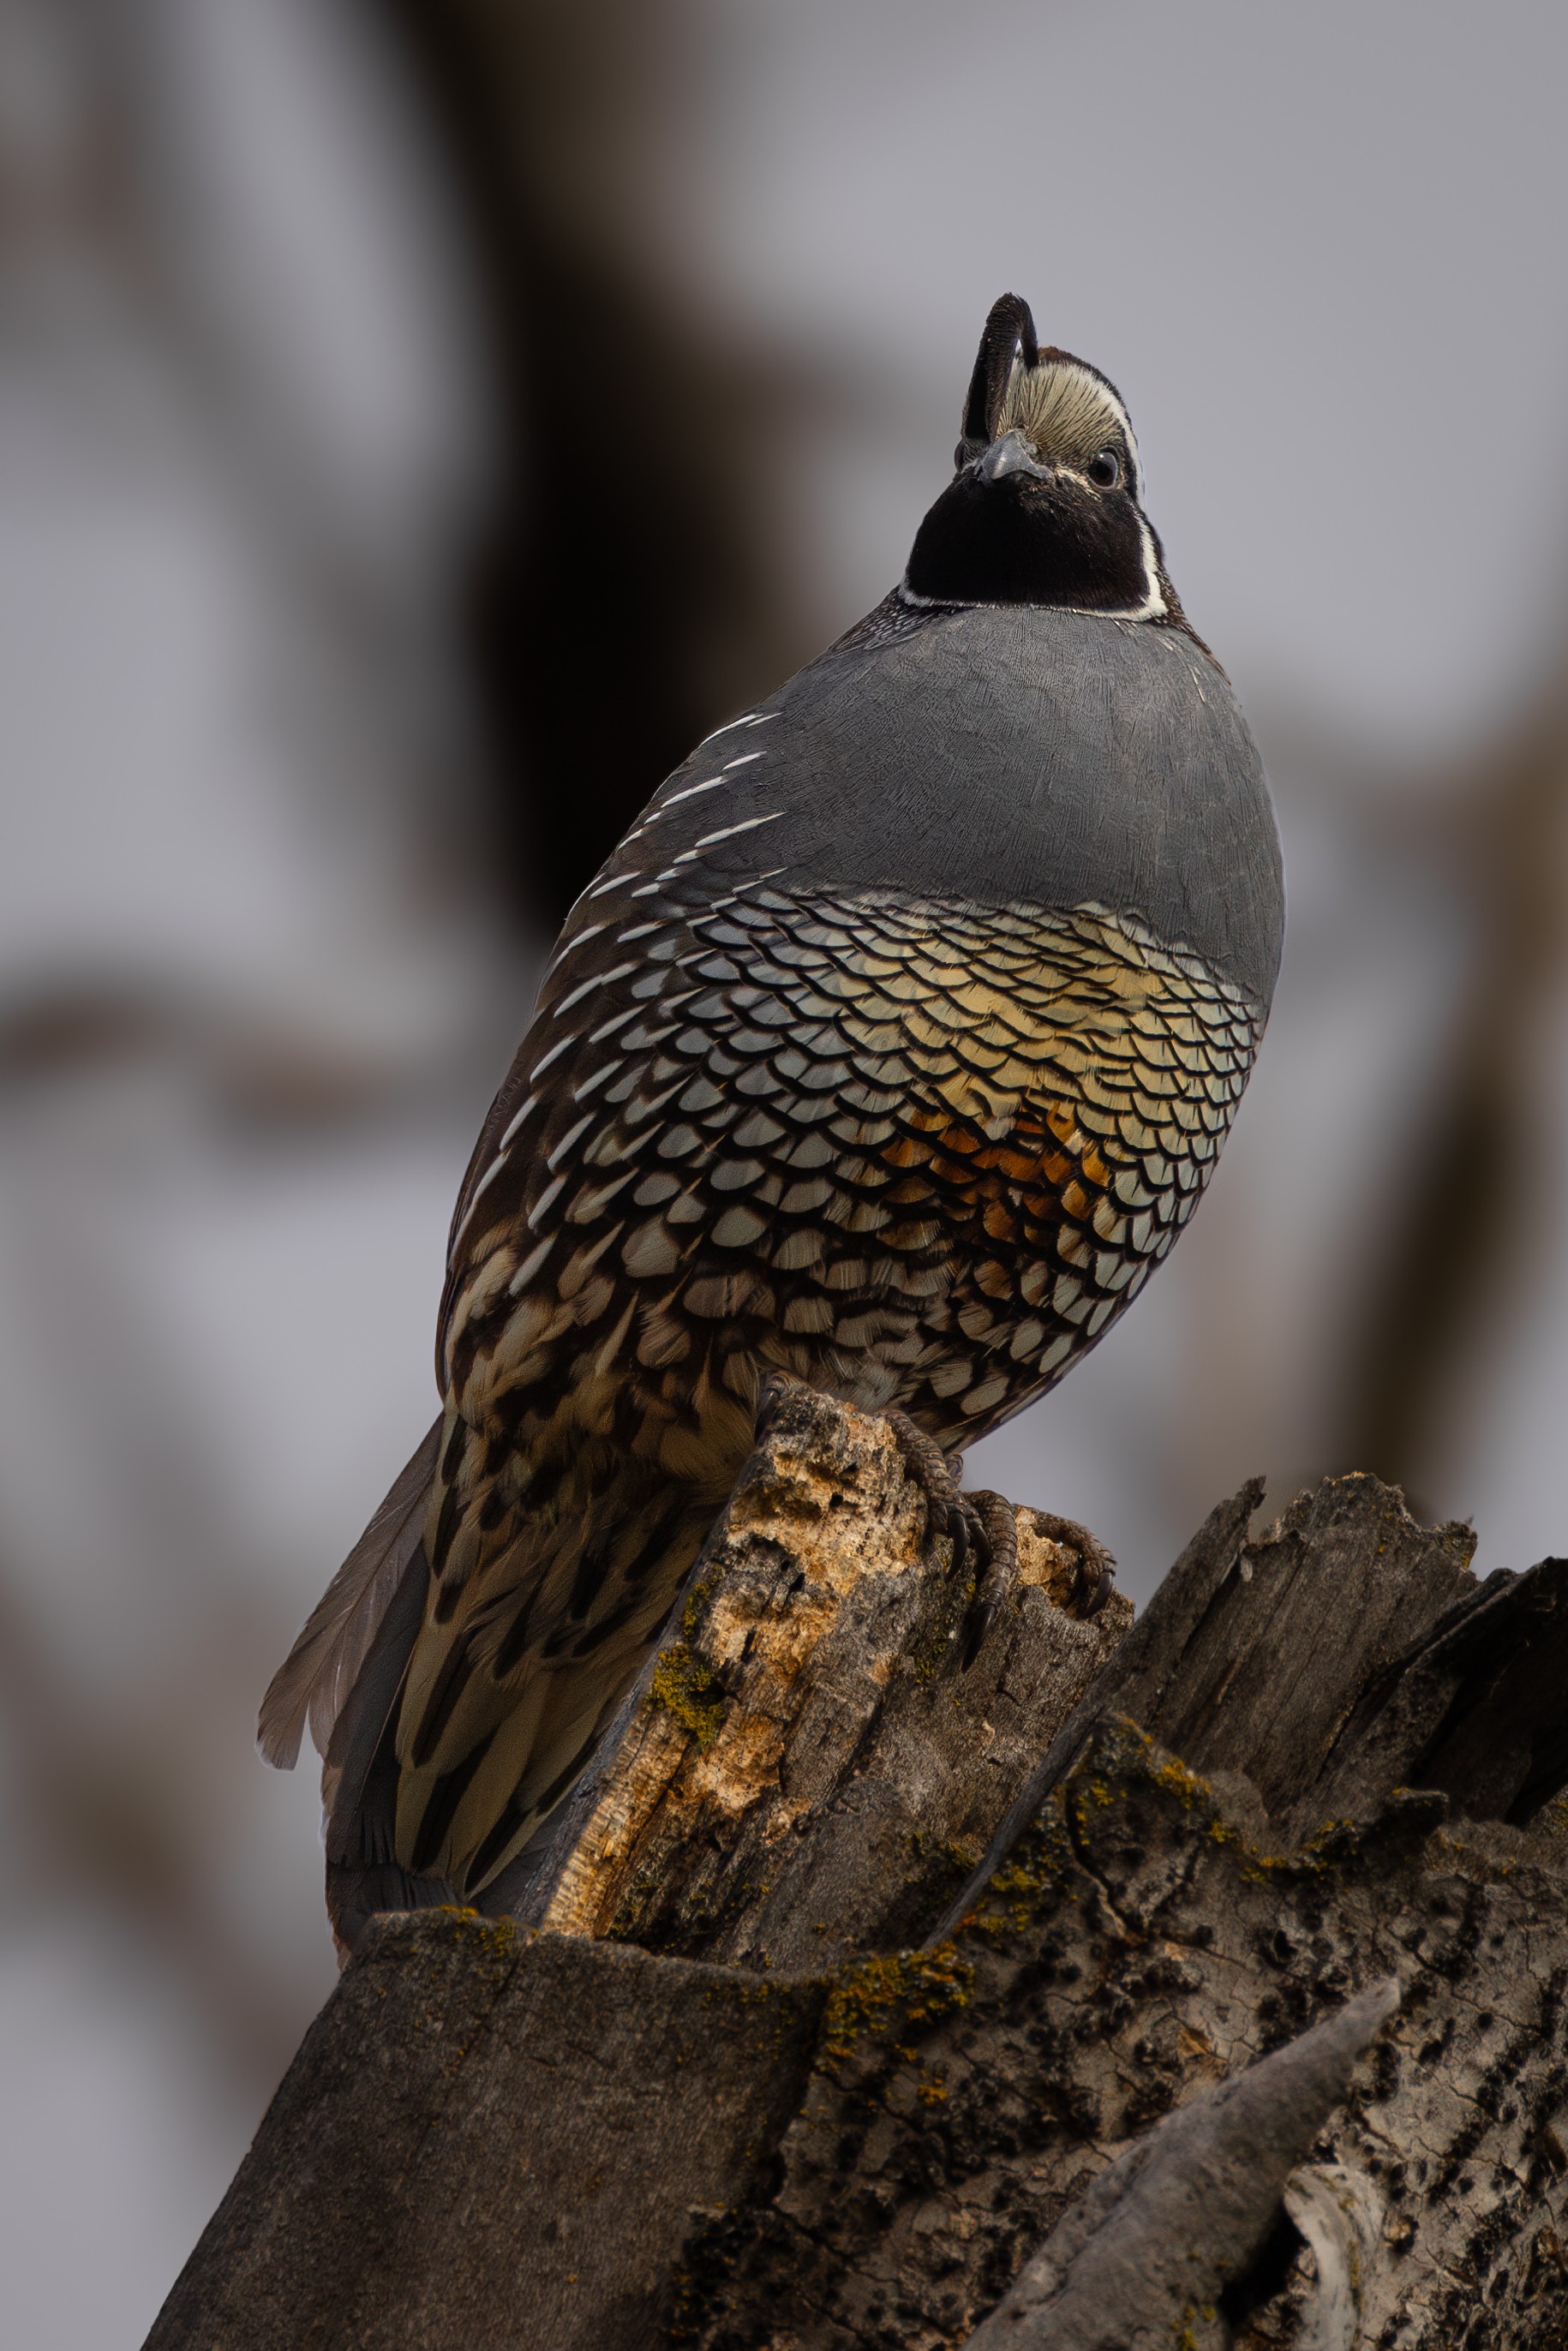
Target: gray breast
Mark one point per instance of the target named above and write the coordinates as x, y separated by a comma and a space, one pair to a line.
1005, 755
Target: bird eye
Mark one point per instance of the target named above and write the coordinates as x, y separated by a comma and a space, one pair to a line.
1105, 469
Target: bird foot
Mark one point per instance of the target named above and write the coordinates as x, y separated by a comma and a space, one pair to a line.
949, 1510
979, 1526
771, 1390
999, 1526
1096, 1568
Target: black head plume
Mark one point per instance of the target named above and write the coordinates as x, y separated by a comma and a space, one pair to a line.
1009, 338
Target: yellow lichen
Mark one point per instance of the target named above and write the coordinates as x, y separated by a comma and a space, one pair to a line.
682, 1687
907, 1989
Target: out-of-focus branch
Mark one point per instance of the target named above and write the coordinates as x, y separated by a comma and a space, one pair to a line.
1460, 1248
101, 1828
633, 589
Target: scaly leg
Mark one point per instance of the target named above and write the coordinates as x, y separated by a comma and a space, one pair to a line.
950, 1510
999, 1527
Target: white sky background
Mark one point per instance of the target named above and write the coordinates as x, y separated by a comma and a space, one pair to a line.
1320, 252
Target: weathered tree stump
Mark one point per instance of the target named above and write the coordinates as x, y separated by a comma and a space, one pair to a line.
806, 1773
860, 1999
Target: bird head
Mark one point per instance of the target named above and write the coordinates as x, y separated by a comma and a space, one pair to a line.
1046, 506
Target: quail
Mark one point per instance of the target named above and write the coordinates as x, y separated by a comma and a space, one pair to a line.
890, 1051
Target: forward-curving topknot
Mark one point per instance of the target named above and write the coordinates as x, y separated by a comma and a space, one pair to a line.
1009, 341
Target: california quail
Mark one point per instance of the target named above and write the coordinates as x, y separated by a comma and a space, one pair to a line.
890, 1051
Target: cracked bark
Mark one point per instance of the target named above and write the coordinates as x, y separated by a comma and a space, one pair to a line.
861, 2001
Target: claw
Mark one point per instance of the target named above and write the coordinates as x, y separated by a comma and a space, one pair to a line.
997, 1528
1104, 1584
772, 1389
976, 1625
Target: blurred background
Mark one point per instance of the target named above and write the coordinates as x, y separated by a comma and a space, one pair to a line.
419, 420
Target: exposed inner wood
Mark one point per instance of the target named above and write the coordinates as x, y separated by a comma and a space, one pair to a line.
811, 1772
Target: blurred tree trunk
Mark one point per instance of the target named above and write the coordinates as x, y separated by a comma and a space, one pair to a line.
631, 594
1461, 1258
868, 1998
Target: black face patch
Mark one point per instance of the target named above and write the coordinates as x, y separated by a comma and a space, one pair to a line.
1024, 542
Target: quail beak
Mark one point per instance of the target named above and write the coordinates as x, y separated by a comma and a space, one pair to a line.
1010, 455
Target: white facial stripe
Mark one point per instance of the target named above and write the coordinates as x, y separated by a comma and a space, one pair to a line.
1154, 607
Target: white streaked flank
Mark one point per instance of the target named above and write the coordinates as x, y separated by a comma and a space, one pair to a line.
690, 791
608, 1028
546, 1202
570, 939
515, 1125
553, 1055
605, 1069
572, 1137
586, 986
752, 718
725, 832
748, 824
485, 1180
530, 1265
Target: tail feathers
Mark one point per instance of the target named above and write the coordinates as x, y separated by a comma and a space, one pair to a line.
359, 1776
360, 1779
355, 1896
314, 1682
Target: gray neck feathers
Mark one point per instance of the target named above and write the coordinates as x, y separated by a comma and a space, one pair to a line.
1004, 755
